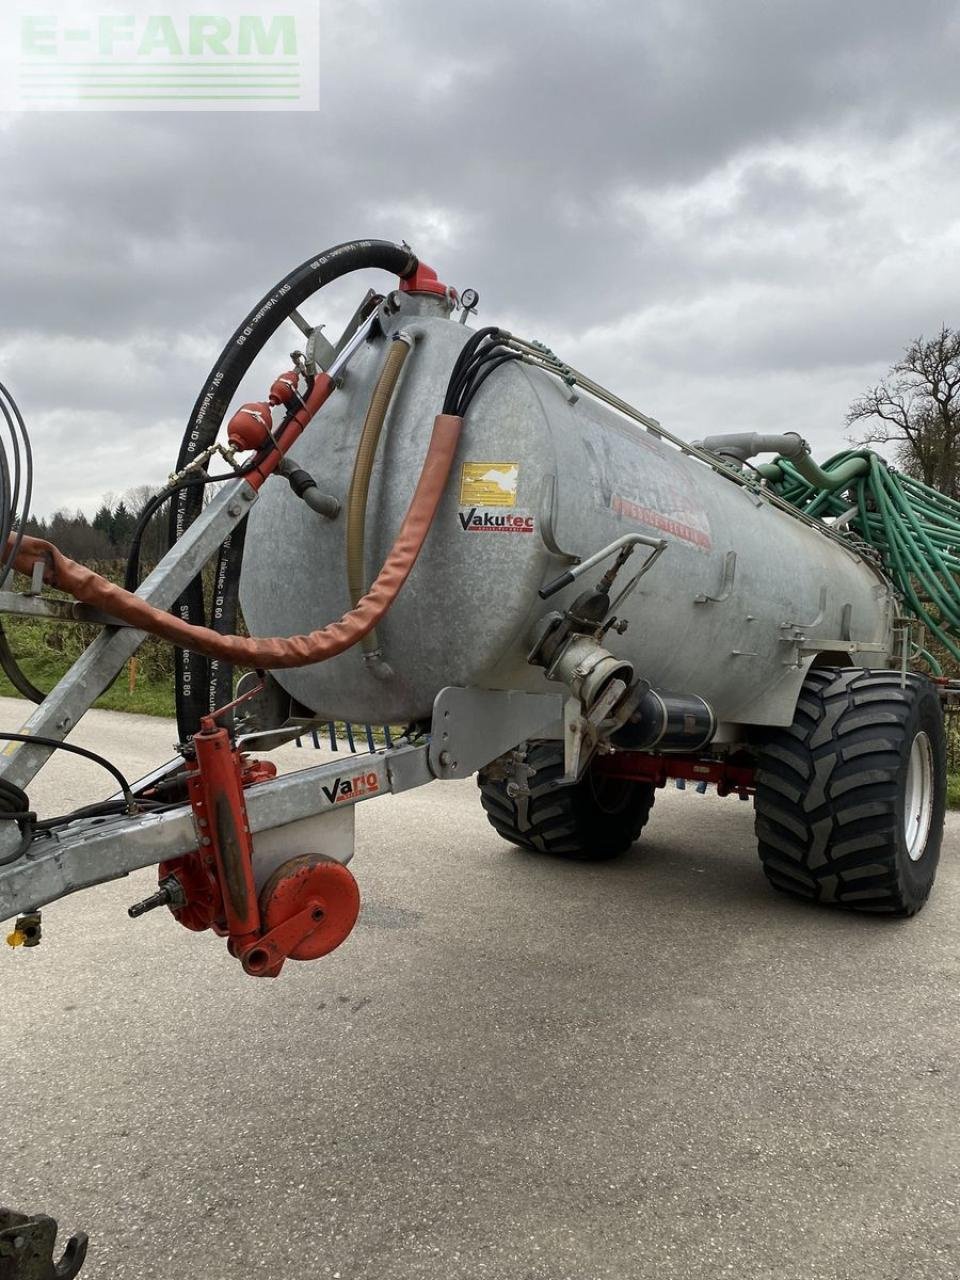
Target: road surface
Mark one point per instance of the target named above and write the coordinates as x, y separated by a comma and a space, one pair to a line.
515, 1069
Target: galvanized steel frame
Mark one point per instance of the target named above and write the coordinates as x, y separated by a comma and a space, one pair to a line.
93, 851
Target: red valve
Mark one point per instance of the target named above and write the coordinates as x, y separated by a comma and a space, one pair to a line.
424, 280
250, 426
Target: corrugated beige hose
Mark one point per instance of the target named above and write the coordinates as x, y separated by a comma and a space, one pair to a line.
362, 470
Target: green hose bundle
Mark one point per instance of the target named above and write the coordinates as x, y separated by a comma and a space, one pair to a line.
914, 528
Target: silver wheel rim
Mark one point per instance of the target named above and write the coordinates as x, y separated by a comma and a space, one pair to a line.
918, 797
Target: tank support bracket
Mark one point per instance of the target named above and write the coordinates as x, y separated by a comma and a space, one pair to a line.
471, 727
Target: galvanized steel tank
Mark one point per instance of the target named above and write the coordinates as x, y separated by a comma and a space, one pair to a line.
540, 478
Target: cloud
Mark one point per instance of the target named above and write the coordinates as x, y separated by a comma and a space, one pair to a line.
736, 214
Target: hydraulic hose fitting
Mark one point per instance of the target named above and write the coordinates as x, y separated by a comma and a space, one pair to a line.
587, 669
306, 488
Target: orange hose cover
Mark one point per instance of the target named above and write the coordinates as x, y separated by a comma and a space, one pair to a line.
274, 652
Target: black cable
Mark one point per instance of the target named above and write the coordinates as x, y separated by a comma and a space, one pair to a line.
461, 367
493, 362
253, 333
14, 673
17, 514
13, 520
15, 807
480, 355
56, 745
131, 576
107, 809
465, 378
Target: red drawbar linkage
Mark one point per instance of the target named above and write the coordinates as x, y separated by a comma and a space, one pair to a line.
306, 908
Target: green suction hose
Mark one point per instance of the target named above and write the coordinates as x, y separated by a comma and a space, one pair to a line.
914, 528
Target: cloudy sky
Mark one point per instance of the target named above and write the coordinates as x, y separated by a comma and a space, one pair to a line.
733, 212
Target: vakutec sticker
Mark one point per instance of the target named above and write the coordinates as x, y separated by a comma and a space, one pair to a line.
477, 521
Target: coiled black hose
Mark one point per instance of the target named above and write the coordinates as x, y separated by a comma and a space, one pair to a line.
16, 487
15, 674
194, 686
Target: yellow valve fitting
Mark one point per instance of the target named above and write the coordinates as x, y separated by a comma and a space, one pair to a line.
26, 932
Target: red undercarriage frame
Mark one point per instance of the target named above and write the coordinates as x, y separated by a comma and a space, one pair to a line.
307, 907
729, 777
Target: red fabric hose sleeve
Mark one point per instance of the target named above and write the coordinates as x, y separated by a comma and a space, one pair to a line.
274, 652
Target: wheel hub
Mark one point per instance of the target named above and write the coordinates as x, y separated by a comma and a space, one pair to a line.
918, 797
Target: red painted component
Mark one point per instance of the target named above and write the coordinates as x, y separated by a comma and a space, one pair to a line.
285, 387
424, 280
728, 777
216, 795
196, 874
308, 906
254, 771
250, 426
296, 425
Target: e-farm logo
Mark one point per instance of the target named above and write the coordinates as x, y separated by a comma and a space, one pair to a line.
231, 55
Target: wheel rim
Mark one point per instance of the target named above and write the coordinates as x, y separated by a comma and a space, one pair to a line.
611, 795
918, 797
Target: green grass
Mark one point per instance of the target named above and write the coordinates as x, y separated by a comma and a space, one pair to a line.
953, 790
148, 698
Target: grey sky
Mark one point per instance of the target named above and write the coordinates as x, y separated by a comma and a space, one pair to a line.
735, 214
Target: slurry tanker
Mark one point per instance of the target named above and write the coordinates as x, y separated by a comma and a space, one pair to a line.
444, 529
447, 531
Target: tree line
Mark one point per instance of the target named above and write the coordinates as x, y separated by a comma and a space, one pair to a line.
915, 409
108, 535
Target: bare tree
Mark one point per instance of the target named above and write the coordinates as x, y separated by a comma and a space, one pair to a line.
917, 408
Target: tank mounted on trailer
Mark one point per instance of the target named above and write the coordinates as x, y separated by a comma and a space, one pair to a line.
544, 586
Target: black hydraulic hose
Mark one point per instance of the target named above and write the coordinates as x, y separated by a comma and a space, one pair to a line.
131, 576
225, 612
484, 372
14, 804
12, 670
20, 440
72, 749
193, 683
13, 517
15, 807
462, 369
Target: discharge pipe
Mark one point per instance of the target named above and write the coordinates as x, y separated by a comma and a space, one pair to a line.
739, 447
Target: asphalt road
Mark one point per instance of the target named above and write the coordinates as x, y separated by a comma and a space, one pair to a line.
515, 1068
